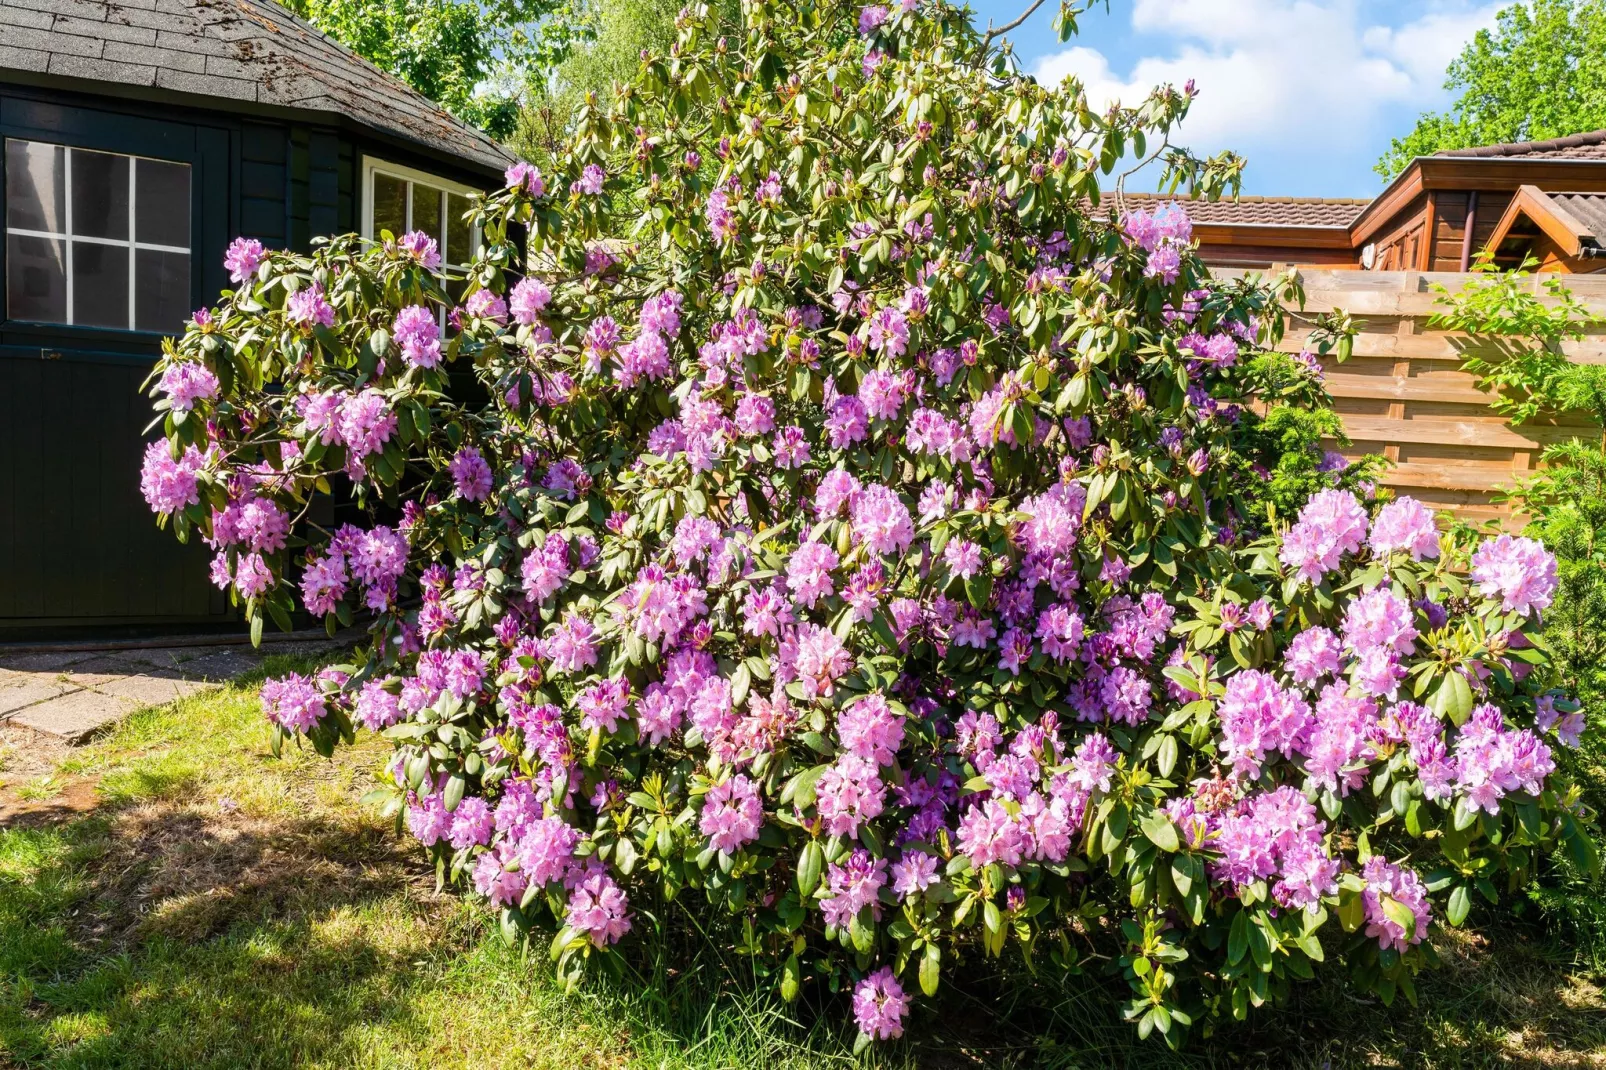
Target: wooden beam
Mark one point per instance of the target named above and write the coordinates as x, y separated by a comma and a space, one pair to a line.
1424, 252
1466, 230
1558, 224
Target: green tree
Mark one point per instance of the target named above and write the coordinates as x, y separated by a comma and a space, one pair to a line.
1539, 73
605, 43
474, 59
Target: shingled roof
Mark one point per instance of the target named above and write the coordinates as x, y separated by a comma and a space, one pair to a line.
252, 51
1262, 211
1588, 146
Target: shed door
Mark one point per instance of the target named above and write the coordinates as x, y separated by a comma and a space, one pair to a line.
114, 228
77, 543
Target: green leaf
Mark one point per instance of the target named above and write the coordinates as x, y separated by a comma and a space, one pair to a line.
1238, 938
809, 864
1453, 699
1401, 915
1460, 904
1160, 830
791, 978
930, 969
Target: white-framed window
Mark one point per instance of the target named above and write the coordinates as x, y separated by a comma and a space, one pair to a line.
96, 239
400, 199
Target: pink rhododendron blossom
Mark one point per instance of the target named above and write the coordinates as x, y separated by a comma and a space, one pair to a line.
528, 299
1385, 882
310, 308
243, 258
1405, 525
599, 910
1331, 524
879, 1004
170, 484
1260, 718
293, 703
732, 814
187, 383
419, 246
1519, 571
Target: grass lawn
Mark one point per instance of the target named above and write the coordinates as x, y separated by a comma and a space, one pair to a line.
174, 896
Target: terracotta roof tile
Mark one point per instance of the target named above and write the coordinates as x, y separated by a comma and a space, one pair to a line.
1588, 146
1261, 211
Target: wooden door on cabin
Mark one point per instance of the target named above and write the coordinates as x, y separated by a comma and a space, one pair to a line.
114, 227
78, 545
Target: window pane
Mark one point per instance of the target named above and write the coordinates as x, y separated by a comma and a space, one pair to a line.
99, 195
390, 205
459, 242
161, 290
99, 284
36, 279
36, 182
162, 202
427, 210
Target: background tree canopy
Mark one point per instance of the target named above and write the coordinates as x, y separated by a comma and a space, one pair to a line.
1540, 73
475, 59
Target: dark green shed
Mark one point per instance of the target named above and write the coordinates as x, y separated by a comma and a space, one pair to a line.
140, 137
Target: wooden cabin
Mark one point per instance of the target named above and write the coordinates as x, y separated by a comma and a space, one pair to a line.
1541, 198
140, 137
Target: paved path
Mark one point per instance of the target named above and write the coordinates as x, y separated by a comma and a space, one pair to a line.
72, 694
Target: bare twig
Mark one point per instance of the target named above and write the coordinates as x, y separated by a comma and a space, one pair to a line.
1000, 31
1120, 180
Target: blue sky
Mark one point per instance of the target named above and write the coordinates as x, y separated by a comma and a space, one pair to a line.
1310, 91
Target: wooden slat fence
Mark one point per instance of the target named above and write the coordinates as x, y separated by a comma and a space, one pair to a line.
1403, 393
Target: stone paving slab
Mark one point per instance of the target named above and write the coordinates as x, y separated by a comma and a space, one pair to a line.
45, 662
19, 690
151, 690
72, 694
74, 717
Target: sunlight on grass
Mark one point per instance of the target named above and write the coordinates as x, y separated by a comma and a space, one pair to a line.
224, 908
40, 788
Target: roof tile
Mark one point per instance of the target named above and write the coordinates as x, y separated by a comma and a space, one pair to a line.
1586, 146
104, 30
23, 59
1259, 211
33, 19
45, 41
1588, 208
206, 84
171, 58
252, 50
100, 70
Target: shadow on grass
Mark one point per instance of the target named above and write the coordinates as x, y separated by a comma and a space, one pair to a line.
167, 936
175, 928
163, 935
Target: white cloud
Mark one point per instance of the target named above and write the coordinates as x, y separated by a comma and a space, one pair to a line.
1279, 73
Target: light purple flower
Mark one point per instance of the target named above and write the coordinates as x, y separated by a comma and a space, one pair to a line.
1405, 524
879, 1004
1519, 571
243, 258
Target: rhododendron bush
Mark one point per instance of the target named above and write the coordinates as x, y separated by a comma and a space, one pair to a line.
819, 505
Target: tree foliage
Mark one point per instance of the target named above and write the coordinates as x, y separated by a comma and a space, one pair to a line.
1539, 73
1517, 357
473, 58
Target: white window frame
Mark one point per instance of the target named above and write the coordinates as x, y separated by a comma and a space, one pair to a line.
69, 239
372, 165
